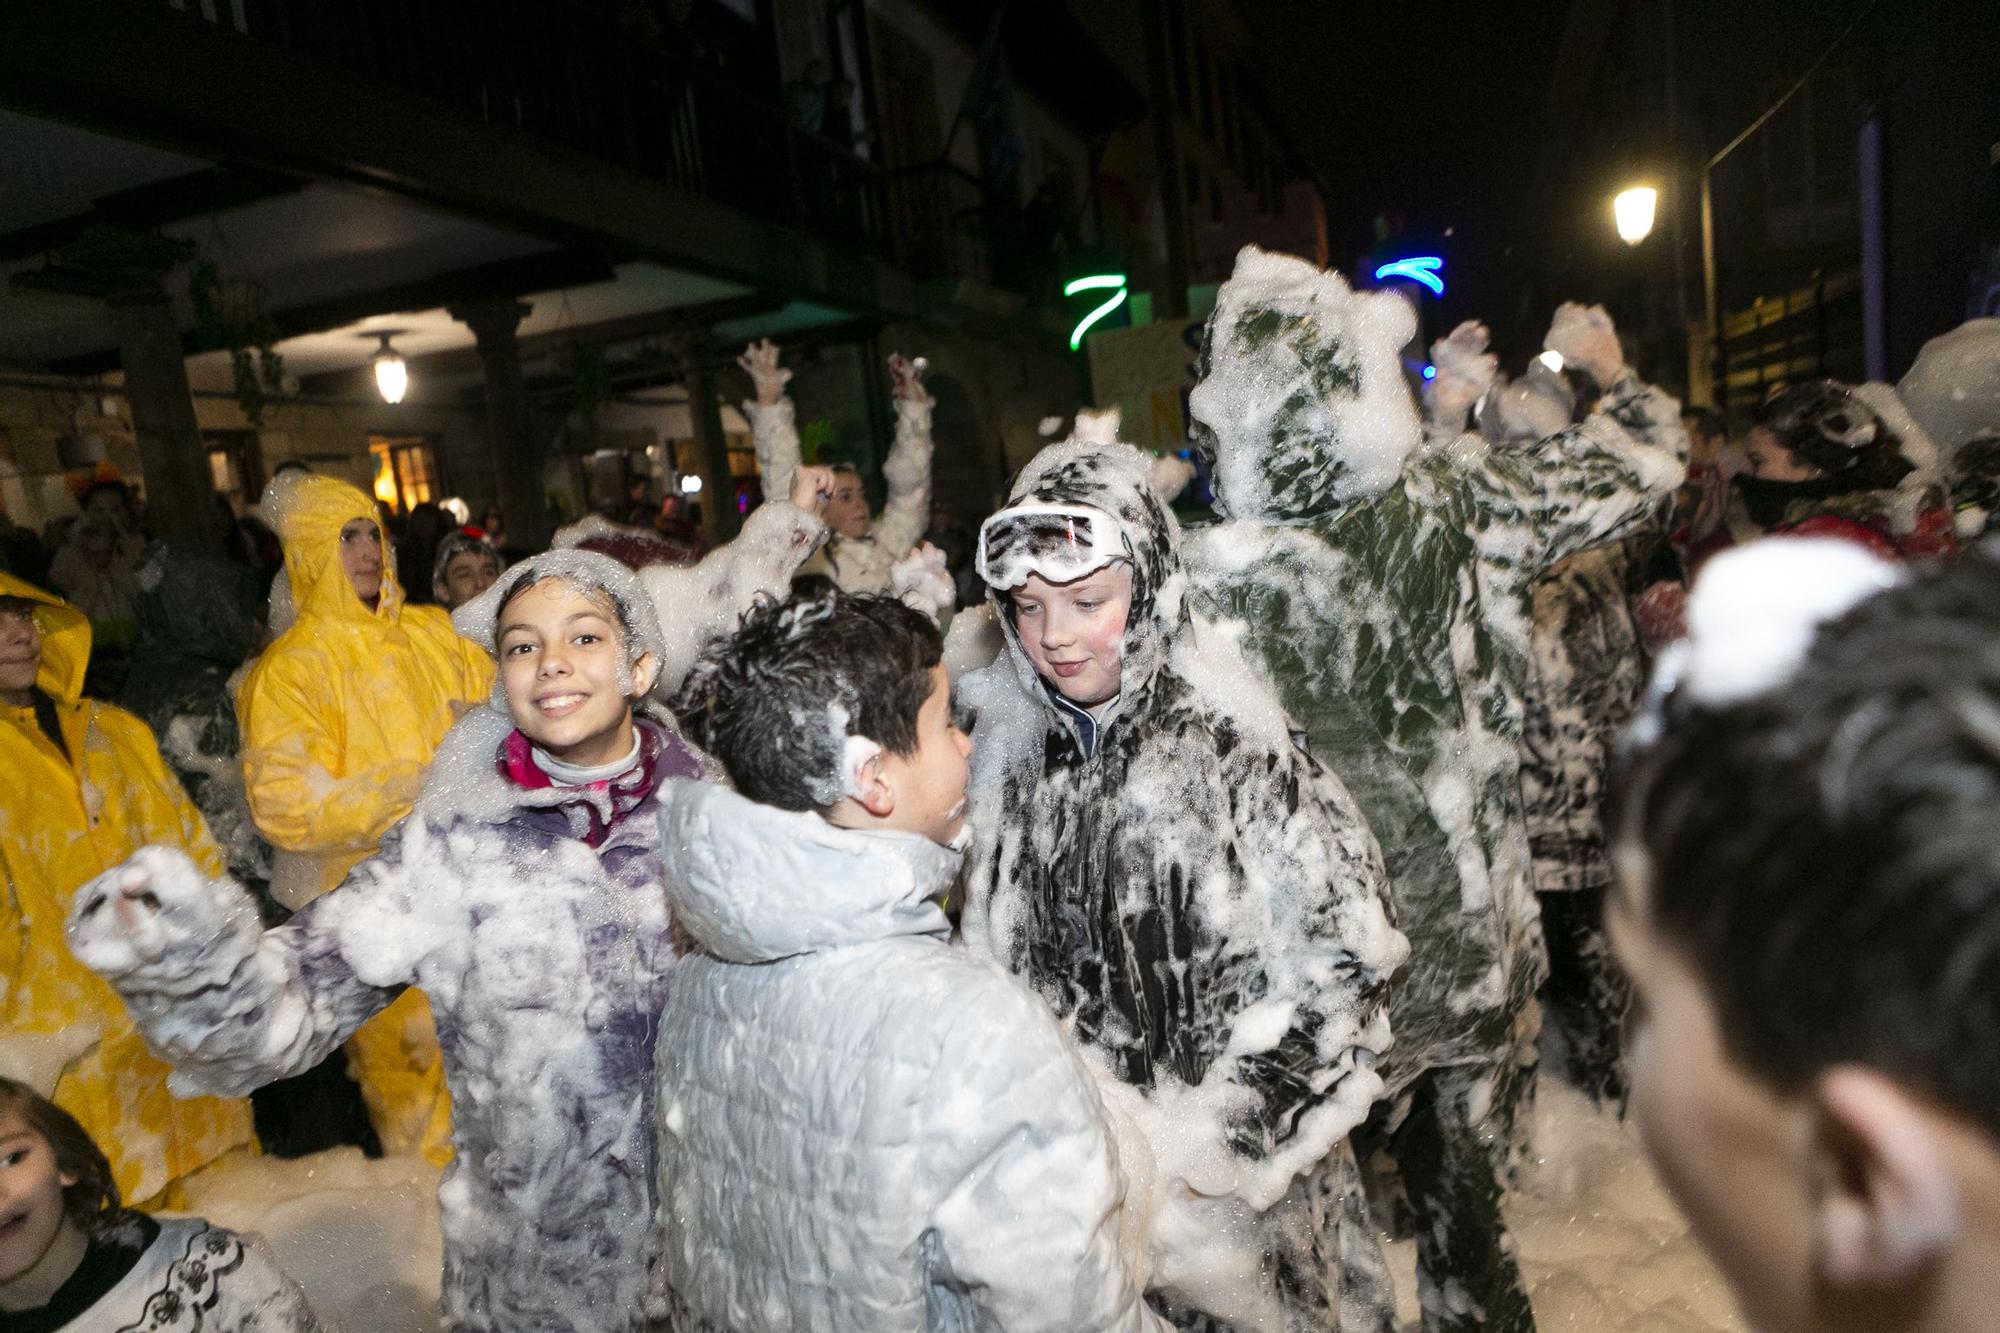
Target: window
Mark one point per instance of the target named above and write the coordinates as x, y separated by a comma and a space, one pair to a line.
406, 471
235, 466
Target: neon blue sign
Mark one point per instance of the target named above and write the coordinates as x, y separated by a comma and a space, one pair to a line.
1419, 268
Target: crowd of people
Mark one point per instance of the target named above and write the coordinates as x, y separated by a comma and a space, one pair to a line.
774, 938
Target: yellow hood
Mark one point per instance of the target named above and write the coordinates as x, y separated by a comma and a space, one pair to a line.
65, 639
309, 514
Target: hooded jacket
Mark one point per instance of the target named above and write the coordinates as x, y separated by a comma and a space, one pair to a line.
861, 564
1383, 583
343, 711
1187, 888
339, 717
531, 916
862, 1128
65, 817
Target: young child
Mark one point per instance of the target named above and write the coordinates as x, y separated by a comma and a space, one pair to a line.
523, 898
1807, 906
862, 550
1187, 888
861, 1128
466, 566
71, 1258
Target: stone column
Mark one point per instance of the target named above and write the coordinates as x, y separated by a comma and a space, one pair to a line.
718, 487
179, 484
517, 463
126, 270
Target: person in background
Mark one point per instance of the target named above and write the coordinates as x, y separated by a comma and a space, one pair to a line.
199, 623
84, 787
424, 528
72, 1257
862, 551
1809, 907
493, 527
1824, 462
340, 716
466, 566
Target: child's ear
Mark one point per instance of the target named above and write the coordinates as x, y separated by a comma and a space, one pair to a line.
645, 670
1885, 1199
868, 786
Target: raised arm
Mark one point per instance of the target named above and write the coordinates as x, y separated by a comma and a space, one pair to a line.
774, 429
231, 1006
698, 602
1591, 482
1030, 1222
907, 470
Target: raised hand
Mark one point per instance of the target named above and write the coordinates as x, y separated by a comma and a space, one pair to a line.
157, 914
1585, 337
812, 487
1465, 370
760, 363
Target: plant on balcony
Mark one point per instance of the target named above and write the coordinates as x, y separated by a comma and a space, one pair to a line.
233, 314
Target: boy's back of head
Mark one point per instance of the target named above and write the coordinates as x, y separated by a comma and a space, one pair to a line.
1811, 914
780, 702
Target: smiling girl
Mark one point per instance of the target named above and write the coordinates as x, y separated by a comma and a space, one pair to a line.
523, 896
72, 1258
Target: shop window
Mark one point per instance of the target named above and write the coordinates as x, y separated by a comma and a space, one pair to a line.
406, 471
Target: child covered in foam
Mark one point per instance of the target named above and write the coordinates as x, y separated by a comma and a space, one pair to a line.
861, 1128
523, 898
1193, 894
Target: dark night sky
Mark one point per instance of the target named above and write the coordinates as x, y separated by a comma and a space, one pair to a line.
1433, 111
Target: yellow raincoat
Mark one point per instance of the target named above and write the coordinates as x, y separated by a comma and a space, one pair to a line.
65, 819
340, 717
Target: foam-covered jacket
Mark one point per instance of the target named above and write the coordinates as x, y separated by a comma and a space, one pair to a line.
1187, 887
856, 564
1588, 672
1383, 583
545, 959
862, 1127
197, 626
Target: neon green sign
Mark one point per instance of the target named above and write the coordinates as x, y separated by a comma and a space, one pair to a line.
1094, 283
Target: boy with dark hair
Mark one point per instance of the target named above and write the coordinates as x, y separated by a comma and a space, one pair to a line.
1807, 907
928, 1151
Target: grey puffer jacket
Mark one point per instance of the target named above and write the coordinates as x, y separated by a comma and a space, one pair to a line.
1194, 893
863, 1128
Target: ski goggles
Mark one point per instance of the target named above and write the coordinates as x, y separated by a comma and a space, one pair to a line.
1062, 543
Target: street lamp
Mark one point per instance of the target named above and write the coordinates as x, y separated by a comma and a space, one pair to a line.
1633, 211
392, 373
